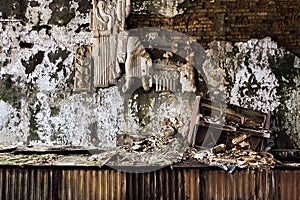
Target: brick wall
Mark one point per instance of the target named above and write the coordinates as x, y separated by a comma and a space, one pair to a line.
232, 20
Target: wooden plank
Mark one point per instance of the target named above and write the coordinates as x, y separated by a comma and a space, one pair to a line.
60, 150
259, 133
193, 132
217, 126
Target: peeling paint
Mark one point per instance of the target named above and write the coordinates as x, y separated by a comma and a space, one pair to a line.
38, 105
13, 124
255, 85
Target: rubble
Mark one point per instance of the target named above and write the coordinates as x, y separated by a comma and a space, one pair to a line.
167, 131
151, 151
237, 148
218, 149
245, 134
234, 157
239, 139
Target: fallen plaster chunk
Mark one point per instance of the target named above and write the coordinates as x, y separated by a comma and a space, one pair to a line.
219, 148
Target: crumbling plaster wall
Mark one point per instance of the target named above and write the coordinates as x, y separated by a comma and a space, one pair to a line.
261, 76
36, 78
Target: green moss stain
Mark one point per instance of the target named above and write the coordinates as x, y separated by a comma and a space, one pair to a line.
286, 115
140, 105
9, 92
284, 70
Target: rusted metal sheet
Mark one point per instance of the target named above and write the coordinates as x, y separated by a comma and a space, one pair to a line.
36, 183
167, 183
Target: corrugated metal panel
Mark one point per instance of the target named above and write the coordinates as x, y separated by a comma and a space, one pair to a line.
177, 183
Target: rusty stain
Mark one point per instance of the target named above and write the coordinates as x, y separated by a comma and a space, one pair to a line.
94, 140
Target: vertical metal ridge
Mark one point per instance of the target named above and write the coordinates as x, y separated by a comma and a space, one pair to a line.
129, 186
69, 185
112, 183
98, 185
136, 185
94, 187
172, 184
117, 185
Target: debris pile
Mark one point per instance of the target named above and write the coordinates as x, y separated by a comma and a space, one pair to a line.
241, 135
239, 142
153, 150
150, 151
167, 148
232, 158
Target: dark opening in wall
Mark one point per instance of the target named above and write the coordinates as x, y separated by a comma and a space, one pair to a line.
26, 44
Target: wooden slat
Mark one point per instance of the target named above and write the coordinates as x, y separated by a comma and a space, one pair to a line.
192, 133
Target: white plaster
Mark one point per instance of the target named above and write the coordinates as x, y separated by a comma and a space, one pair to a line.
266, 97
13, 130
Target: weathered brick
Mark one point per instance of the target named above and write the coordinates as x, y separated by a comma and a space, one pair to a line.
242, 20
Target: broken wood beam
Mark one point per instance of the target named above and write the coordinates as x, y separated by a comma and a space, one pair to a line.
259, 133
239, 139
193, 129
217, 126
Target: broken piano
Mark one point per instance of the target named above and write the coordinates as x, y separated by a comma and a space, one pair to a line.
214, 123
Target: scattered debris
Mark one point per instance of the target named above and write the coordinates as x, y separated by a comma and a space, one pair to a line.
227, 159
239, 139
151, 151
218, 149
243, 131
167, 131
